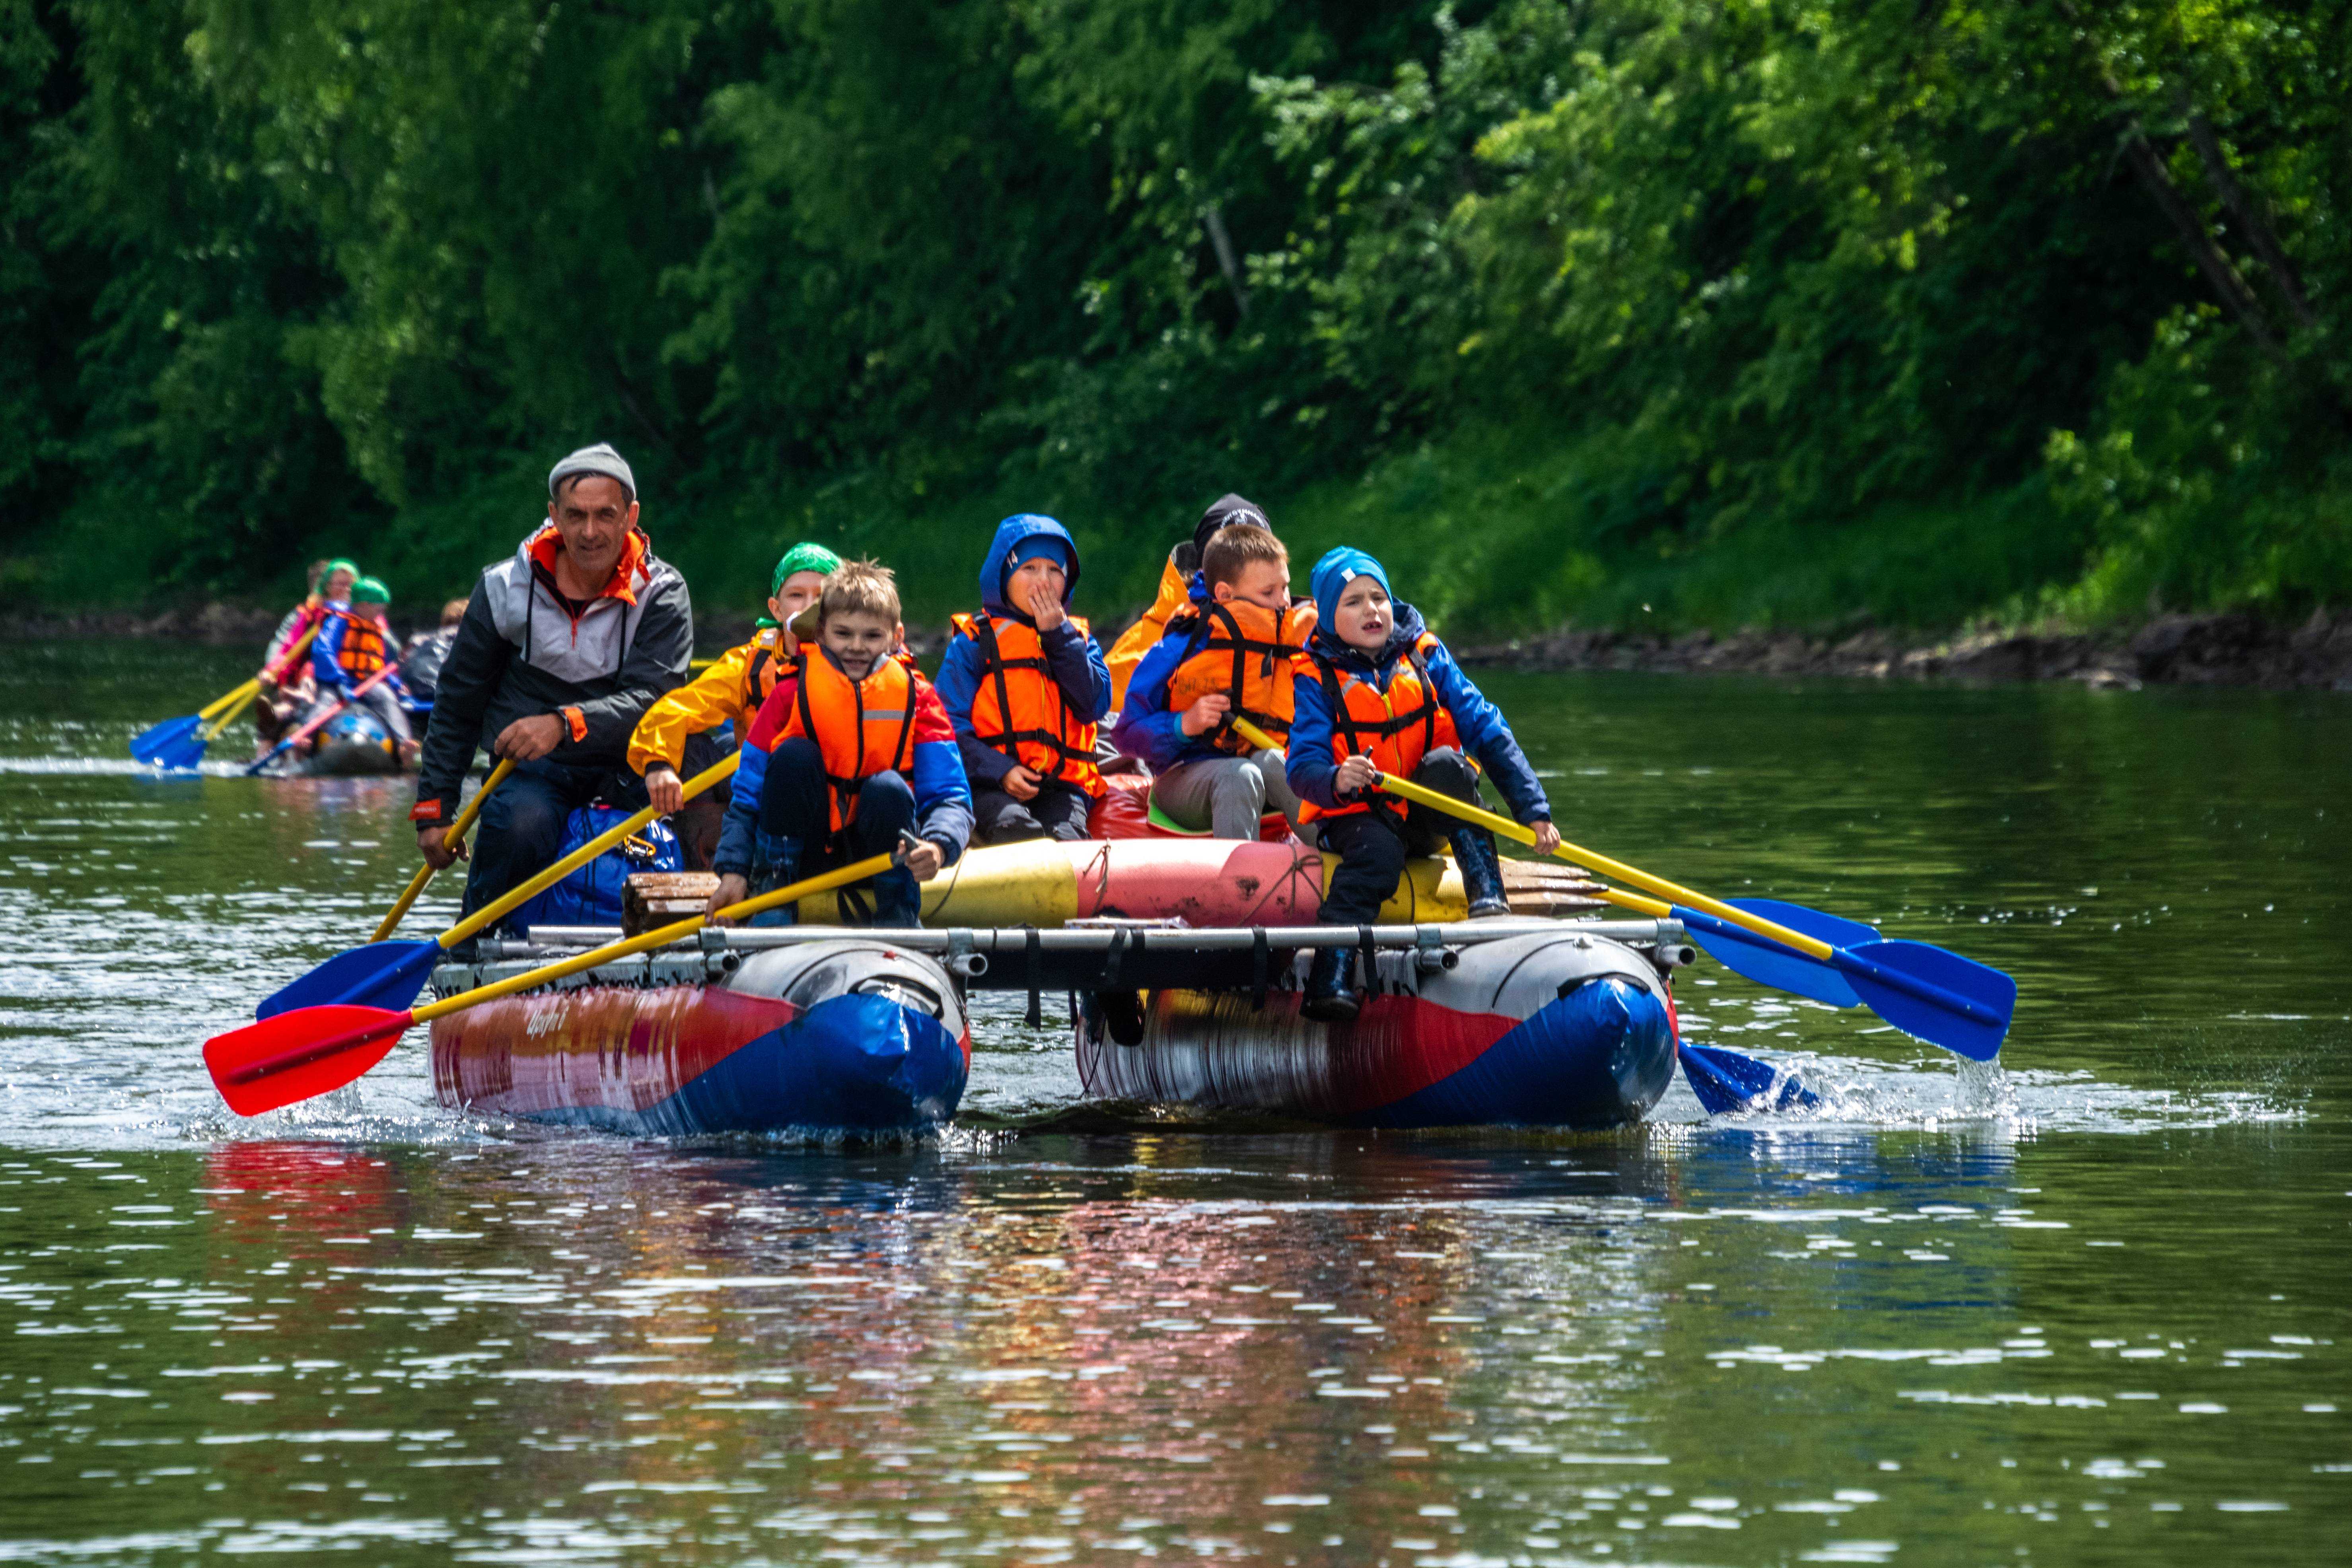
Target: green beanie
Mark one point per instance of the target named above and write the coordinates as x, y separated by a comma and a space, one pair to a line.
338, 564
806, 556
370, 591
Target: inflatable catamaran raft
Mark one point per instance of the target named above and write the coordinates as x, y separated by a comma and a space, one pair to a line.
1533, 1022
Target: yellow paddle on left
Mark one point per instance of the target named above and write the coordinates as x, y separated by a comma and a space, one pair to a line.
455, 839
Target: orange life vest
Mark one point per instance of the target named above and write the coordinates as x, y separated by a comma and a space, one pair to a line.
363, 650
1396, 728
1020, 709
861, 727
768, 665
1243, 651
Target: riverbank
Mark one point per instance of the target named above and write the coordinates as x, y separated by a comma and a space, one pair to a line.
2228, 649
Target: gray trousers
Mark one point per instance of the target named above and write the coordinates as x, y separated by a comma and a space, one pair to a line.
1225, 794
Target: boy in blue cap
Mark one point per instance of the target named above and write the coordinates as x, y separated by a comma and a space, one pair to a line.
1375, 692
1025, 684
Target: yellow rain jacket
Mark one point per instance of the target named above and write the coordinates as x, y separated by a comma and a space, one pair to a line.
1175, 593
730, 690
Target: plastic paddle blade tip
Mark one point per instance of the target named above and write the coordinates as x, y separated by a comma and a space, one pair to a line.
1934, 1021
298, 1056
175, 746
1727, 1081
1767, 962
381, 975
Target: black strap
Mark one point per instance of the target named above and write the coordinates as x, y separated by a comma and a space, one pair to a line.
1372, 976
1260, 961
1115, 960
1033, 949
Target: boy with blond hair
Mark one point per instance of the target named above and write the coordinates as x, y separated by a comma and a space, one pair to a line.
856, 749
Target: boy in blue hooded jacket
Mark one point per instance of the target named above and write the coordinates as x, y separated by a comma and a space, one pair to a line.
1025, 684
1375, 692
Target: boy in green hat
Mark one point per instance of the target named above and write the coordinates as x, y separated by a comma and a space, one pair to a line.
730, 691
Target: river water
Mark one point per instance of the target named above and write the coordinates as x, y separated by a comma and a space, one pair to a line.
2091, 1307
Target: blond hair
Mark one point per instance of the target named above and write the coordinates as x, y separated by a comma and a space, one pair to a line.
1234, 547
860, 588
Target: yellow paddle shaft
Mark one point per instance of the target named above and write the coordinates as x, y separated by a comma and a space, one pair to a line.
213, 732
1406, 789
240, 695
227, 706
497, 910
456, 836
660, 937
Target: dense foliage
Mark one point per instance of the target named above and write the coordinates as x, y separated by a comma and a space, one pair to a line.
1671, 311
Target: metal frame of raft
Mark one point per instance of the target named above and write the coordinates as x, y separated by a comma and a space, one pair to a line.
1524, 1021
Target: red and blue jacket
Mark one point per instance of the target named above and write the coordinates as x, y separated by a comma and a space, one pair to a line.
943, 797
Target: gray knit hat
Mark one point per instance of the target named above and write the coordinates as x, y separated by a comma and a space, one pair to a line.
599, 458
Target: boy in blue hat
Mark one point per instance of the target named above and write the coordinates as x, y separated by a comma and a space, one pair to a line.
1025, 684
1375, 692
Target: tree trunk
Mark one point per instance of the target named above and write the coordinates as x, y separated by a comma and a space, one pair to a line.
2258, 231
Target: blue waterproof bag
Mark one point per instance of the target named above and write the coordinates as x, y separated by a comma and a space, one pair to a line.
591, 896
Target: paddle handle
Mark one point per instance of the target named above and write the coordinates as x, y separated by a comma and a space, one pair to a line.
1615, 869
514, 899
294, 652
661, 936
457, 834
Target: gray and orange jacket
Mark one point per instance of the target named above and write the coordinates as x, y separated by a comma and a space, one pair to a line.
524, 650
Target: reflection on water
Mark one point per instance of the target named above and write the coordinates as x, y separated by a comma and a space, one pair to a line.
2089, 1308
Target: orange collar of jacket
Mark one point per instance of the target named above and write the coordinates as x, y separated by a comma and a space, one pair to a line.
547, 545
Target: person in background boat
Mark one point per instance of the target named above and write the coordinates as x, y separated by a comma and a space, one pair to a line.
351, 646
1228, 653
729, 692
427, 652
286, 689
1025, 685
853, 751
564, 647
1375, 692
1175, 589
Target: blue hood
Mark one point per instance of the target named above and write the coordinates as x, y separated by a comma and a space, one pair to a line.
1402, 636
998, 565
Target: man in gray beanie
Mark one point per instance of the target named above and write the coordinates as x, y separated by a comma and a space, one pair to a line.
564, 644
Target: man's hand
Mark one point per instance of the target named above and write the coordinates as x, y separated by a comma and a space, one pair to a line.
433, 844
925, 859
528, 740
662, 789
1356, 775
1546, 837
733, 889
1019, 783
1206, 715
1047, 610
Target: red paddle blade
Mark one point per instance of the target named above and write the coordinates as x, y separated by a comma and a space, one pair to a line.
299, 1055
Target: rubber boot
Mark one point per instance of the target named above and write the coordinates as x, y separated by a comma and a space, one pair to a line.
775, 863
1329, 1000
897, 899
1482, 872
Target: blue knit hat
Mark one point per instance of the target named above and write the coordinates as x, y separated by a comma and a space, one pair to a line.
1045, 544
1332, 574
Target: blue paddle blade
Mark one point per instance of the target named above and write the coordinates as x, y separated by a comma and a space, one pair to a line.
387, 974
174, 745
1725, 1081
1935, 994
1766, 962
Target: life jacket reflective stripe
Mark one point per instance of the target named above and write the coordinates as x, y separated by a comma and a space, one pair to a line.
1243, 651
1396, 728
861, 727
363, 651
1021, 710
